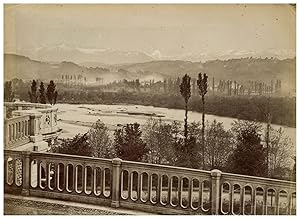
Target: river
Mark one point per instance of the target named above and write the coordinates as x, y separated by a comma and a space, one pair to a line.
77, 118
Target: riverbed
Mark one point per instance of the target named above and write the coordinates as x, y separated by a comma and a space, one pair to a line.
78, 118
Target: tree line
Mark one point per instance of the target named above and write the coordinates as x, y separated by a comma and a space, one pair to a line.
170, 86
35, 94
241, 107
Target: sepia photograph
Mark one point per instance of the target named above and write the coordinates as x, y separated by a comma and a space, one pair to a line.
149, 109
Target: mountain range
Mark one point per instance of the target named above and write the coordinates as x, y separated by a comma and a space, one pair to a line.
17, 66
98, 57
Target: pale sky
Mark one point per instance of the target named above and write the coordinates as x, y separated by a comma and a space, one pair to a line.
160, 30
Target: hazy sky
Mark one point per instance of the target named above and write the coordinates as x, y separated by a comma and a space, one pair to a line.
160, 30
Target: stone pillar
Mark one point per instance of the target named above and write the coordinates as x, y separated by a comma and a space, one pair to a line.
26, 173
34, 132
215, 191
116, 178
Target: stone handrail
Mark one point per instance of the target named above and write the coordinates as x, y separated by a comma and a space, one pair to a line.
147, 187
26, 105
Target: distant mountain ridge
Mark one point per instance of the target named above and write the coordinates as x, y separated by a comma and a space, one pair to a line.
109, 56
16, 66
64, 52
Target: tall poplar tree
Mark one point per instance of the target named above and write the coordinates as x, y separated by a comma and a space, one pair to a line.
185, 90
202, 86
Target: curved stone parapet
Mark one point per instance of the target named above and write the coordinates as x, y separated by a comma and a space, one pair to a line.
29, 122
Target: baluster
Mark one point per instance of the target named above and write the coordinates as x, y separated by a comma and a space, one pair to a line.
65, 178
16, 127
159, 187
253, 204
290, 196
150, 188
18, 130
189, 195
26, 128
180, 185
232, 199
265, 198
9, 161
95, 181
43, 167
38, 173
170, 194
277, 193
170, 180
129, 184
92, 178
48, 174
9, 133
14, 132
58, 181
55, 175
230, 195
148, 185
243, 200
84, 186
23, 129
162, 192
86, 179
139, 186
191, 187
74, 178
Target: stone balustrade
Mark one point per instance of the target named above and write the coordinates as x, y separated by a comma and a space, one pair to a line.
33, 122
17, 131
147, 187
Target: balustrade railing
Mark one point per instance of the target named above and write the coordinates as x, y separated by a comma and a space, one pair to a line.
29, 122
17, 131
148, 187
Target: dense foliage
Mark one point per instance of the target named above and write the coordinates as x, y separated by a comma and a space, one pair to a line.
128, 143
8, 92
79, 145
249, 156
